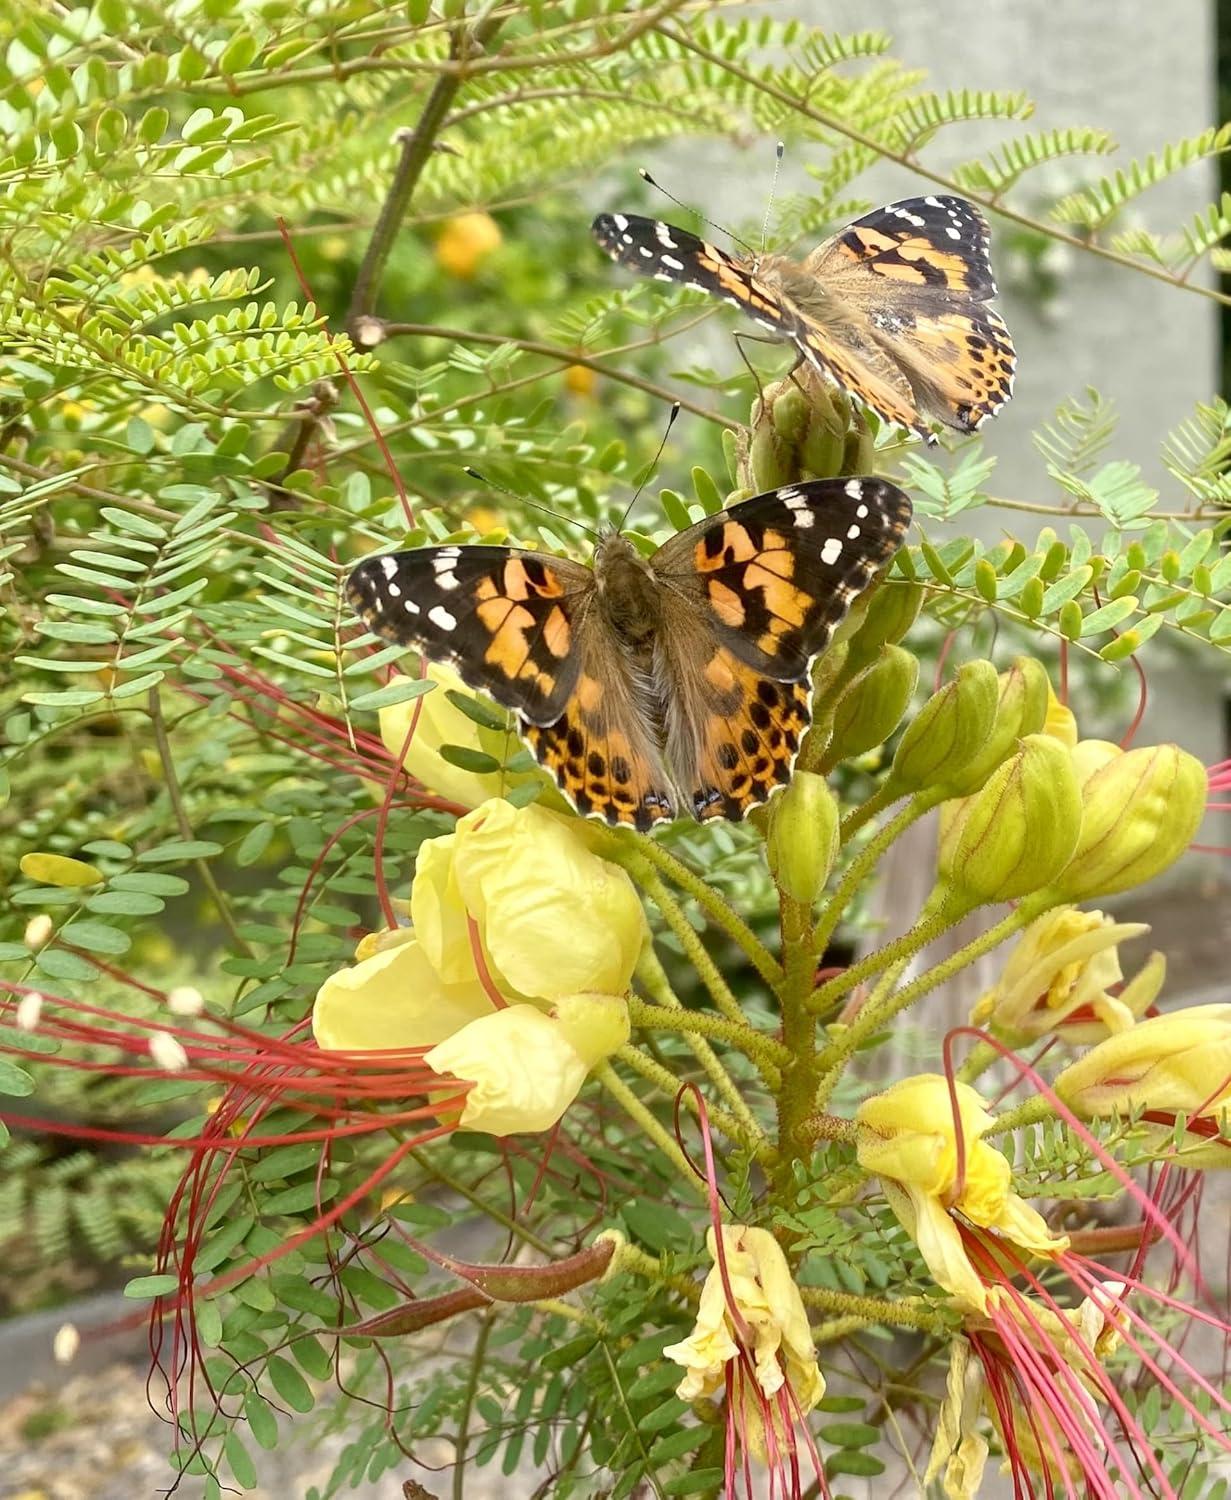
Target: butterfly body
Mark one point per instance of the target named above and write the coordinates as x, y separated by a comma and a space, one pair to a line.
652, 686
893, 308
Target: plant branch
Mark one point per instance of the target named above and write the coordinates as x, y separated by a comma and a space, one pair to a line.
417, 146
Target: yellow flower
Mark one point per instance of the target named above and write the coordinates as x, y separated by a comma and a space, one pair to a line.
1059, 976
1059, 722
525, 1067
906, 1137
769, 1311
1171, 1065
552, 917
465, 242
440, 722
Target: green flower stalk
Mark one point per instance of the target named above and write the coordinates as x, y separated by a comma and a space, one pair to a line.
1021, 710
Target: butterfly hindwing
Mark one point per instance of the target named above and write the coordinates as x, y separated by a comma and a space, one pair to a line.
601, 750
503, 617
919, 274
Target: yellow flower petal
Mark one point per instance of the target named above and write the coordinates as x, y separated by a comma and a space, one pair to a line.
523, 1065
555, 919
393, 1000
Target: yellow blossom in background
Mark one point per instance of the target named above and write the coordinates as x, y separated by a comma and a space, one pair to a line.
1173, 1065
579, 380
906, 1137
465, 242
781, 1352
552, 917
1059, 976
440, 722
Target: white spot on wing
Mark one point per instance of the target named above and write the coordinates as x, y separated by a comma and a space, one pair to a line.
620, 222
831, 551
411, 607
645, 250
804, 518
388, 566
394, 592
852, 532
862, 511
662, 233
854, 488
439, 615
670, 260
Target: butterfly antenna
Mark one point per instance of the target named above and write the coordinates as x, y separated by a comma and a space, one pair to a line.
679, 202
645, 478
773, 188
533, 504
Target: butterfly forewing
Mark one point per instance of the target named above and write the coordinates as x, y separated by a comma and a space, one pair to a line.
892, 308
503, 617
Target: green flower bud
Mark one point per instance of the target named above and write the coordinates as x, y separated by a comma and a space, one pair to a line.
1139, 813
1021, 710
859, 452
799, 432
880, 616
1019, 831
949, 730
871, 707
803, 837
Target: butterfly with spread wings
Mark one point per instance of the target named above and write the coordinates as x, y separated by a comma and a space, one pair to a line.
893, 308
650, 686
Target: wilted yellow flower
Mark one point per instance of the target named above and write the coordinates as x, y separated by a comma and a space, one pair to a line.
440, 722
959, 1450
525, 1066
552, 917
906, 1137
1171, 1065
465, 242
769, 1312
1059, 976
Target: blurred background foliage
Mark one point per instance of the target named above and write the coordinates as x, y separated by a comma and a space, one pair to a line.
185, 476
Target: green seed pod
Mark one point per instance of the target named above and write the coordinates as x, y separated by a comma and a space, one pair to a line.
873, 704
949, 730
802, 843
1019, 831
1020, 710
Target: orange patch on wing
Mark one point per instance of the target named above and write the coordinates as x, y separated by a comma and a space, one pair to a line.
737, 547
726, 604
782, 599
509, 626
589, 692
557, 636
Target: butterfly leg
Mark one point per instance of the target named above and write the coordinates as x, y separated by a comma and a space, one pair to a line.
753, 338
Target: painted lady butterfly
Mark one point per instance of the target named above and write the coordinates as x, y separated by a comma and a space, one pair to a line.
645, 686
893, 308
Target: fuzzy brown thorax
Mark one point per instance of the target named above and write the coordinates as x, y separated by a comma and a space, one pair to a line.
629, 596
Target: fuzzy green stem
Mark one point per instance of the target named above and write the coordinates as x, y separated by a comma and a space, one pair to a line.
668, 1084
980, 1059
908, 1312
640, 1263
694, 949
865, 862
799, 1078
884, 796
872, 1017
649, 1123
720, 912
927, 929
1031, 1111
770, 1056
